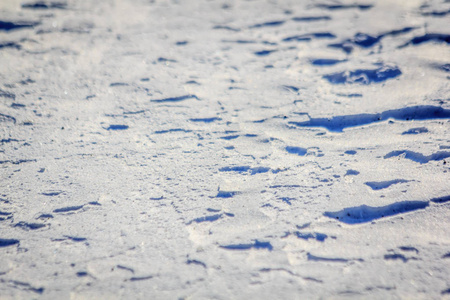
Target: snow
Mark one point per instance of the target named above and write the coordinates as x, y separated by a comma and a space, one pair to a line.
224, 149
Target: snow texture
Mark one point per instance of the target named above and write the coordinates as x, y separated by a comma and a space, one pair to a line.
164, 149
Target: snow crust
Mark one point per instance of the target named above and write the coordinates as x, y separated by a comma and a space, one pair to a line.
224, 149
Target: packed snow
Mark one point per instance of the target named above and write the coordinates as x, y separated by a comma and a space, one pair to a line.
226, 149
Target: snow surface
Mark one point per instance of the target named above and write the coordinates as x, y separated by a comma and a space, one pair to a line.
224, 149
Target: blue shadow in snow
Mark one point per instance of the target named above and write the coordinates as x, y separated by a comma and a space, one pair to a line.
175, 99
445, 68
326, 61
311, 235
29, 226
311, 19
416, 130
117, 127
10, 45
429, 37
441, 199
436, 13
364, 40
342, 6
364, 213
211, 218
264, 52
68, 209
7, 26
41, 5
267, 24
296, 150
172, 130
205, 120
419, 157
364, 76
7, 118
351, 172
243, 169
256, 245
384, 184
338, 123
226, 194
325, 259
8, 242
309, 36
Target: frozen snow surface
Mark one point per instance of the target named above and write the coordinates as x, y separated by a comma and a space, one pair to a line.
224, 149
